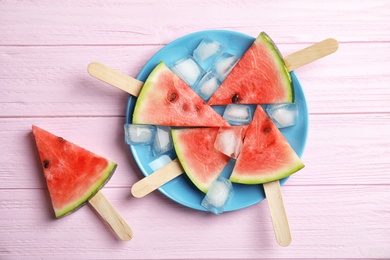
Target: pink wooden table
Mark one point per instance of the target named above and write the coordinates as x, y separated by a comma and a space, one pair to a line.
338, 205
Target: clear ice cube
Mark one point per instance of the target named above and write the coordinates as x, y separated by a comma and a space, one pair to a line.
224, 64
229, 140
207, 86
163, 140
237, 114
188, 70
284, 114
160, 162
207, 51
139, 134
218, 196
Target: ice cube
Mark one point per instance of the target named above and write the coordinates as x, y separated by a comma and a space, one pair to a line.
207, 51
160, 162
139, 134
237, 114
229, 140
188, 70
207, 86
224, 64
218, 196
284, 114
163, 140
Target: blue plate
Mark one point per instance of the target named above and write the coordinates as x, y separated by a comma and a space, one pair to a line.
181, 188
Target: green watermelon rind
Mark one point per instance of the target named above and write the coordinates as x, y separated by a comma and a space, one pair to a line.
204, 187
291, 161
182, 159
106, 176
242, 179
266, 39
146, 91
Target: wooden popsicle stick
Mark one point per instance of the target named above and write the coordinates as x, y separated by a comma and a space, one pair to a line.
115, 78
310, 54
111, 216
157, 179
278, 213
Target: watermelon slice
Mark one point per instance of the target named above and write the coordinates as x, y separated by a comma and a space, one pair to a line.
73, 174
197, 155
167, 100
265, 155
259, 77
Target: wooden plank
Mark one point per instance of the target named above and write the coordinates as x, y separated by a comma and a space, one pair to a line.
330, 82
347, 149
52, 86
143, 22
49, 86
341, 149
347, 221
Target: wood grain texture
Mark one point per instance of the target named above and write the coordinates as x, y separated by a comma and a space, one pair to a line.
327, 223
159, 177
277, 211
337, 206
111, 216
142, 22
310, 54
115, 78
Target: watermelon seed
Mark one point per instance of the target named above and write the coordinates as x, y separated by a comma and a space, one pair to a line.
173, 97
267, 129
235, 98
185, 107
46, 164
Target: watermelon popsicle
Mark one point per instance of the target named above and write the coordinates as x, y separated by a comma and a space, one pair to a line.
74, 176
265, 157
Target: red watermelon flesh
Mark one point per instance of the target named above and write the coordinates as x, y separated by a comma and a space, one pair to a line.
259, 77
265, 155
73, 174
167, 100
198, 156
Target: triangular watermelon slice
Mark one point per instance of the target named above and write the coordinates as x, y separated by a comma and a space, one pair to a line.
167, 100
73, 174
265, 155
259, 77
201, 161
